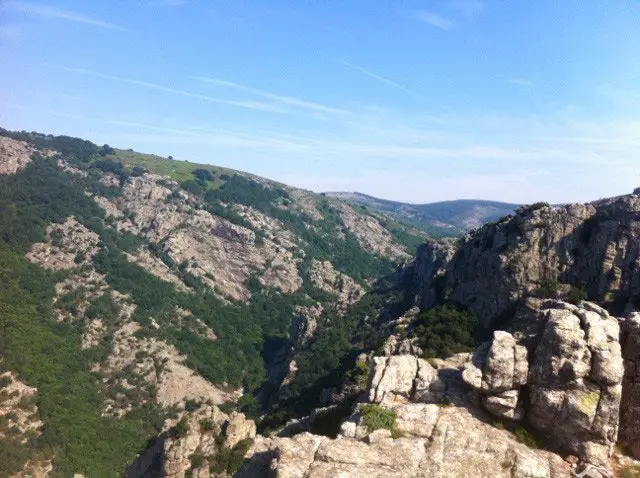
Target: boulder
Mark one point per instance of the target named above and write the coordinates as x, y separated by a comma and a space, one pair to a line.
630, 406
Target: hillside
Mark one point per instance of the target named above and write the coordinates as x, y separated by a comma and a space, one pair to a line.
439, 219
160, 318
512, 352
135, 287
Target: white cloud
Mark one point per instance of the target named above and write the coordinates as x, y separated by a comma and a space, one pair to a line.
288, 100
60, 14
435, 20
254, 105
379, 78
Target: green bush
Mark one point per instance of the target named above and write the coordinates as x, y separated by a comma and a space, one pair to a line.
236, 457
197, 460
576, 295
207, 425
375, 417
524, 436
444, 330
181, 428
548, 289
360, 374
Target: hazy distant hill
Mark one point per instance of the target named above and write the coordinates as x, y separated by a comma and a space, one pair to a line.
446, 218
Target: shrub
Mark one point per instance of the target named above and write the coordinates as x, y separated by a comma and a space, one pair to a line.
181, 428
207, 425
576, 295
548, 289
525, 437
236, 457
197, 460
374, 417
444, 330
203, 174
360, 374
137, 171
191, 405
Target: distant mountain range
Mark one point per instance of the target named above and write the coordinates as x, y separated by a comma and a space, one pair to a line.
445, 218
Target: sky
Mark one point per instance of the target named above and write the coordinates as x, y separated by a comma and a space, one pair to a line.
415, 101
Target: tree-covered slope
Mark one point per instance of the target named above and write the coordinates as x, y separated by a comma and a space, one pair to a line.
134, 287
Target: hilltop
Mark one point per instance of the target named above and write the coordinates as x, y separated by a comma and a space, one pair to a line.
439, 219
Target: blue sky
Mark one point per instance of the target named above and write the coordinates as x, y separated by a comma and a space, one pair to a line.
416, 101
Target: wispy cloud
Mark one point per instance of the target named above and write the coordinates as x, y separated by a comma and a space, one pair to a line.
60, 14
457, 11
378, 77
435, 20
254, 105
521, 82
287, 100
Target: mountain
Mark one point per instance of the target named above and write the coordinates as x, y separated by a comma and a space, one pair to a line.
136, 287
164, 318
515, 353
439, 219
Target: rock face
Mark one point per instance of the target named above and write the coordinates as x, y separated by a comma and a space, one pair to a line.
558, 370
431, 440
68, 246
566, 383
325, 277
438, 442
194, 444
14, 155
595, 246
222, 254
630, 417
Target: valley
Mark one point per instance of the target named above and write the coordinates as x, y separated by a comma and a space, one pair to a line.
165, 318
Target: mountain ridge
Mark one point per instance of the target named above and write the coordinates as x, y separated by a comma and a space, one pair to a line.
441, 218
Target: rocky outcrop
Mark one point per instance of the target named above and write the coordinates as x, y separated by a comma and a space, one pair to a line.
436, 442
371, 235
325, 277
18, 411
222, 254
565, 380
197, 445
630, 416
593, 246
69, 245
556, 371
14, 155
157, 371
400, 379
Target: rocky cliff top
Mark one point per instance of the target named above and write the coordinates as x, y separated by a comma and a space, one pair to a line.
594, 248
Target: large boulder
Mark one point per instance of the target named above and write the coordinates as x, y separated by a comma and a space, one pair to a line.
436, 442
568, 378
630, 408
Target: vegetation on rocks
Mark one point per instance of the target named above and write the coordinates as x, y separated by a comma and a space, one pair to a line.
49, 355
375, 417
444, 330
